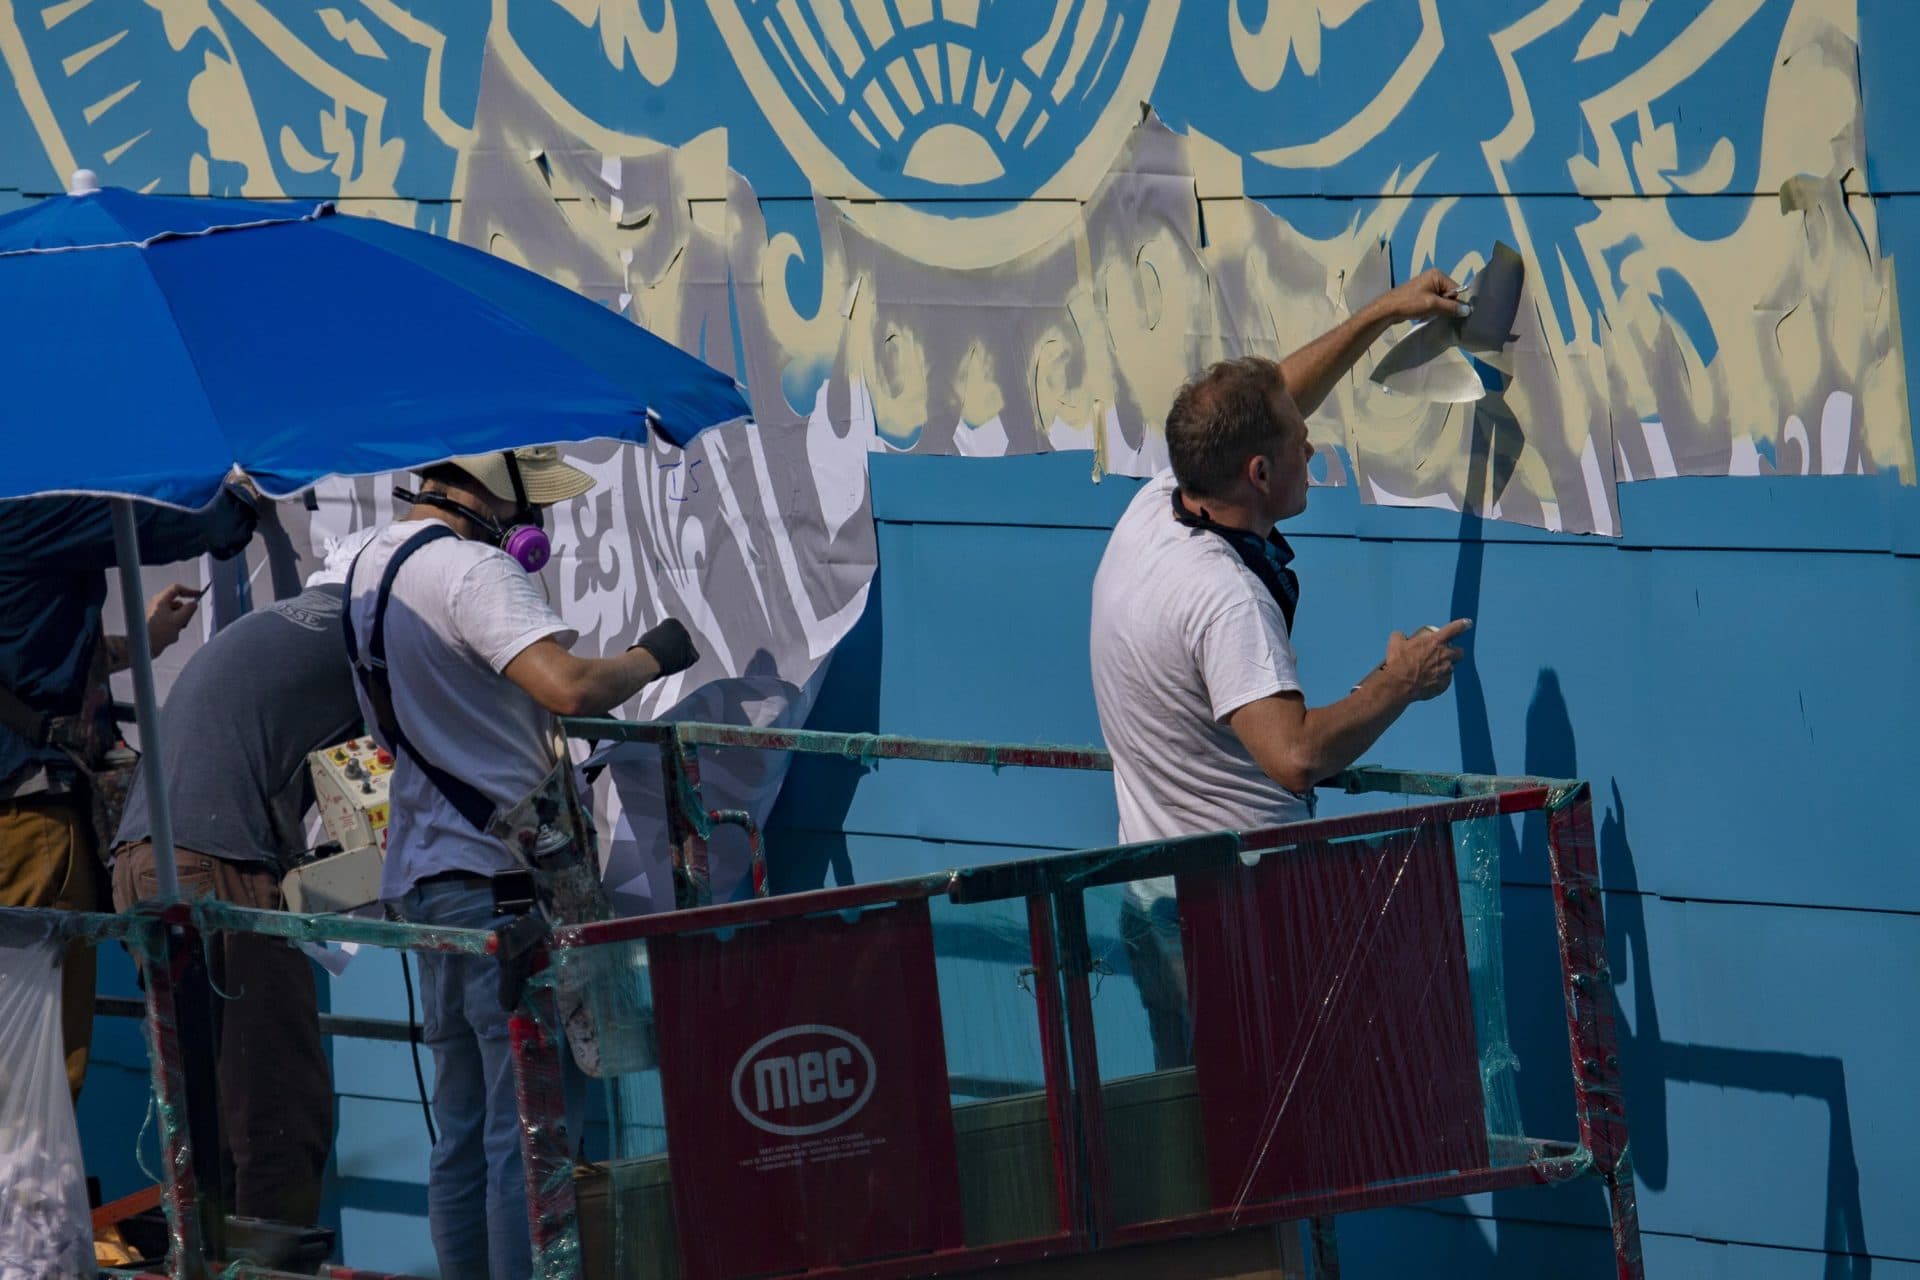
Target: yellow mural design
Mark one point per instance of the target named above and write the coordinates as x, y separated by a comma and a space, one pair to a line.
1069, 319
625, 34
1370, 122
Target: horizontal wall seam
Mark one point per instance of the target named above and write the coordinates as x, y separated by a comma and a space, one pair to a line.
1525, 1220
1329, 197
774, 833
1574, 541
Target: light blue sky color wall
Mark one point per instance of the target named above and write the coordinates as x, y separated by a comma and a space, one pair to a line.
1760, 885
1734, 674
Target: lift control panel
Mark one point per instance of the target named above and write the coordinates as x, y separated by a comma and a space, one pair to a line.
350, 786
350, 783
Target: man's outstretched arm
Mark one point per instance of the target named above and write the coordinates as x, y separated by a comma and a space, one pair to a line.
61, 534
570, 685
1314, 370
1297, 745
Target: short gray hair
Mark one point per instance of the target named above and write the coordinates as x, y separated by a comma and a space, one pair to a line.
1220, 419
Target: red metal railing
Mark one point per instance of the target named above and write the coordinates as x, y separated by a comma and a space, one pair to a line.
1053, 891
1053, 888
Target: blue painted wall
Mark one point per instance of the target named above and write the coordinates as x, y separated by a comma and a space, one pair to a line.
1721, 691
1734, 674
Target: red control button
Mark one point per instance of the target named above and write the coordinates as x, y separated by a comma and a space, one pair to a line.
383, 757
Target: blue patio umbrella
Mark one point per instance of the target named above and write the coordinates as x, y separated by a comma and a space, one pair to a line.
150, 344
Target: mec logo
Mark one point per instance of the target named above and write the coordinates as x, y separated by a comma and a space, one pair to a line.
803, 1080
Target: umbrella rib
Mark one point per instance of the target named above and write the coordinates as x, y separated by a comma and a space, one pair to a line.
319, 210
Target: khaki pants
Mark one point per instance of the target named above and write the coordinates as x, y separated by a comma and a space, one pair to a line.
276, 1094
47, 860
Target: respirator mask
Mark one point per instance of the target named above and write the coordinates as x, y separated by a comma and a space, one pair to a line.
522, 535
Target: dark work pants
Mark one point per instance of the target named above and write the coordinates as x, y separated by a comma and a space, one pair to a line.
276, 1094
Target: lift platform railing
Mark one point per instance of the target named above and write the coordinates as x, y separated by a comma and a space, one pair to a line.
168, 942
825, 1071
1428, 872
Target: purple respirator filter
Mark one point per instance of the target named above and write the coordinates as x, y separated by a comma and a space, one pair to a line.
528, 545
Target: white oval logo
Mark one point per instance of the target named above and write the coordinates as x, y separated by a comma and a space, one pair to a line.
803, 1080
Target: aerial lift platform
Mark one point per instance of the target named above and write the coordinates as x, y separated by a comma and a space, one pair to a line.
808, 1062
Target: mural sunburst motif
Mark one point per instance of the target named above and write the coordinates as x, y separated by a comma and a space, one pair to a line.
949, 95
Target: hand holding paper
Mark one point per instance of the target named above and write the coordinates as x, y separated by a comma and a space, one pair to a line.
1428, 363
1430, 295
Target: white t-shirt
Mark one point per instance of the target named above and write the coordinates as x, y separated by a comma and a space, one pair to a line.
1184, 635
460, 612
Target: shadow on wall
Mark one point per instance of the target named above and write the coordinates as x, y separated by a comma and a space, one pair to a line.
1649, 1062
638, 871
807, 829
1537, 1026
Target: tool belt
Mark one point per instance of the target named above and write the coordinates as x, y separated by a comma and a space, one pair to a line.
109, 783
105, 765
551, 832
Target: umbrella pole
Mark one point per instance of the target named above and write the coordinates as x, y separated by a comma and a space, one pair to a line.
195, 1020
126, 549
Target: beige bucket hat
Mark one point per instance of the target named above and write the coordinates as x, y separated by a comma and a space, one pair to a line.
546, 478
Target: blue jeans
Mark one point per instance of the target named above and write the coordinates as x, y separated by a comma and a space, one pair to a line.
1159, 963
476, 1186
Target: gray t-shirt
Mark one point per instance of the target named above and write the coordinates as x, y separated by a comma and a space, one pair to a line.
237, 727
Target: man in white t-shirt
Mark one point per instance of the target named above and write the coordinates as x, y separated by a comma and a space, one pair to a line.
1193, 664
476, 667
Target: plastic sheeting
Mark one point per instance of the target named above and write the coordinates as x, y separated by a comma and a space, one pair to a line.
46, 1232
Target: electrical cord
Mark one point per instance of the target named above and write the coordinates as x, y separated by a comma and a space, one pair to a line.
413, 1044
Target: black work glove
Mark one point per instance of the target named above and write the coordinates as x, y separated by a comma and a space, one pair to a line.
670, 646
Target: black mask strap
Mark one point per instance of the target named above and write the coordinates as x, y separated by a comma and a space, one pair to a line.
1266, 557
513, 478
486, 524
528, 513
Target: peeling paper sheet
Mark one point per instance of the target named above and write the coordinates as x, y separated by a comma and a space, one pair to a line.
1428, 365
1538, 452
988, 440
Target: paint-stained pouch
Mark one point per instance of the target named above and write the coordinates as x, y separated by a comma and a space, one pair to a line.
602, 1002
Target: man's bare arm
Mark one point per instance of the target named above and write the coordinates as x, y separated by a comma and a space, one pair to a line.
569, 685
168, 614
1314, 370
1297, 745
